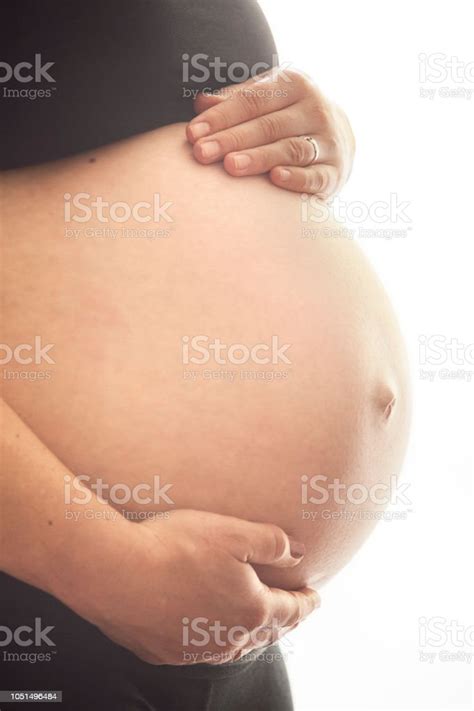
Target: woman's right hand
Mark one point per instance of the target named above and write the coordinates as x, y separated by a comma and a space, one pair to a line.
182, 590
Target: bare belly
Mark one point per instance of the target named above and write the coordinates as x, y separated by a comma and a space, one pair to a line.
319, 387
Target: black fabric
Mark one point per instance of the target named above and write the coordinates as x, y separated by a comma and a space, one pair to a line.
118, 67
95, 674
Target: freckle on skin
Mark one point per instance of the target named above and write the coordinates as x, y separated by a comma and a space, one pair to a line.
50, 523
91, 160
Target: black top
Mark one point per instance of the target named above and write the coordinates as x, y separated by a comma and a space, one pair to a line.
78, 74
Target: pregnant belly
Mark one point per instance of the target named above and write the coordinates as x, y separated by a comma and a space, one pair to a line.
210, 358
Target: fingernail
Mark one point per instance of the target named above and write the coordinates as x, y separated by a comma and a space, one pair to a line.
211, 149
284, 175
242, 161
297, 549
199, 129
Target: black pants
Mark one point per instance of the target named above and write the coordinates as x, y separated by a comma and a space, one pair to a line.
93, 673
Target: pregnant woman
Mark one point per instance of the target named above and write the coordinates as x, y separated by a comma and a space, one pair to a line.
180, 366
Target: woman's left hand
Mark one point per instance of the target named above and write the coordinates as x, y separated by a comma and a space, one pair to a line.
262, 126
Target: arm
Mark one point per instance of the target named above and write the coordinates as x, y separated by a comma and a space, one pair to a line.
136, 582
37, 544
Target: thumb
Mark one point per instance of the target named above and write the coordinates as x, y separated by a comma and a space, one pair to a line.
260, 543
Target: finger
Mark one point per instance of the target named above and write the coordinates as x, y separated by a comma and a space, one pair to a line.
264, 636
290, 607
250, 134
319, 179
259, 543
297, 151
257, 97
205, 100
257, 638
263, 642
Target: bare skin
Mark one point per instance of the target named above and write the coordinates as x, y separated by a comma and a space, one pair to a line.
136, 582
119, 403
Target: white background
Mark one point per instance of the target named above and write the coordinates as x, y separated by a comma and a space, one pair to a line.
362, 649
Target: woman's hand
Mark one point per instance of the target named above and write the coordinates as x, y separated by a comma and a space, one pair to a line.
174, 591
262, 126
183, 590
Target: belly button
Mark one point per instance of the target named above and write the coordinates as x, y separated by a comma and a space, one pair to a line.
389, 408
385, 401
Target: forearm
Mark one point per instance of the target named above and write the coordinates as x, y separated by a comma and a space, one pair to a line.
38, 544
